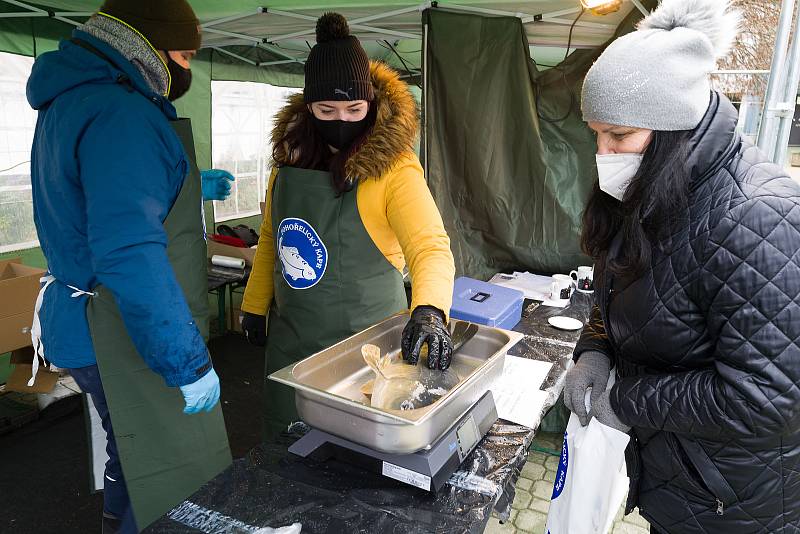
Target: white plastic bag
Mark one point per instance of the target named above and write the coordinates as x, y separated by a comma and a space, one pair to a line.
399, 385
591, 480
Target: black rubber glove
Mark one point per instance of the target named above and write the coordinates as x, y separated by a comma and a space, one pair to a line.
255, 328
427, 326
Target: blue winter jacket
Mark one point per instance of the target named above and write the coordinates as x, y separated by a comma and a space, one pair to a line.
106, 167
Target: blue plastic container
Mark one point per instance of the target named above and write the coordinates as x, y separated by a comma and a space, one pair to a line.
487, 304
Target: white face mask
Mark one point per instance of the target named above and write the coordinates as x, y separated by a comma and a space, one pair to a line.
616, 171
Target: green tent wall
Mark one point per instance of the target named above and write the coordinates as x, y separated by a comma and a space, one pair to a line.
508, 157
558, 155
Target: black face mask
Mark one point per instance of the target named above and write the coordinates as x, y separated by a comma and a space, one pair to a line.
341, 134
181, 79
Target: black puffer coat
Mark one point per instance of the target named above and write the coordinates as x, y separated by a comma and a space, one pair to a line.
707, 346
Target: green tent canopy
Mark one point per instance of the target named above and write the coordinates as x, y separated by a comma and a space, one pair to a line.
284, 26
248, 40
268, 42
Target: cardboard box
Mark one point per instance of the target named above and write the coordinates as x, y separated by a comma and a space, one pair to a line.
23, 355
218, 249
22, 359
64, 387
19, 287
18, 381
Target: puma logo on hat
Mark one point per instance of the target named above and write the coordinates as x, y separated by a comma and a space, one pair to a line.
344, 93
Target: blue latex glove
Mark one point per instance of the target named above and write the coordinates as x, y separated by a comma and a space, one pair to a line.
203, 394
216, 184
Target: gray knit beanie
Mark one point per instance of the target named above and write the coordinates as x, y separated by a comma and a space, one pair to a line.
658, 76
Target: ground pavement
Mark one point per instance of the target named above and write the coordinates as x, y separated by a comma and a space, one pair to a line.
534, 489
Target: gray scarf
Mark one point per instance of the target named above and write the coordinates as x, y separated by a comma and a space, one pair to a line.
131, 45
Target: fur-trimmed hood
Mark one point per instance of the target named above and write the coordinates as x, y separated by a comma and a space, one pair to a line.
393, 136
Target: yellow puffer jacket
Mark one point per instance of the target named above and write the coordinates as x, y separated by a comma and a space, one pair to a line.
393, 199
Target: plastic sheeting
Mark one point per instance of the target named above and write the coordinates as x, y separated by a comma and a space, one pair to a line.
271, 488
505, 203
508, 158
546, 343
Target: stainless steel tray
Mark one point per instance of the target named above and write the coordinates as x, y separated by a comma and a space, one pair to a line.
328, 397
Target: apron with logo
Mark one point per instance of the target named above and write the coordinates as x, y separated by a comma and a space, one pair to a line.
331, 281
166, 455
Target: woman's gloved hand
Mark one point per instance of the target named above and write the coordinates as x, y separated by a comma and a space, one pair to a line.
202, 395
254, 327
427, 325
216, 184
602, 411
591, 371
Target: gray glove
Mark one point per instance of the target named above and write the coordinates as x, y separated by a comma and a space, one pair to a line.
591, 371
602, 411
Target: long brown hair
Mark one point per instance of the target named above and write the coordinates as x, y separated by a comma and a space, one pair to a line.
302, 146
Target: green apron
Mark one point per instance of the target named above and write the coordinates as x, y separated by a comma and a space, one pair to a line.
166, 455
331, 281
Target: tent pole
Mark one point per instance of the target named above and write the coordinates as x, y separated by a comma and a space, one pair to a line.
379, 16
232, 18
570, 11
640, 7
236, 56
280, 62
28, 15
421, 7
789, 96
69, 21
257, 40
582, 23
242, 36
528, 18
280, 52
36, 12
546, 16
382, 31
496, 12
23, 5
766, 131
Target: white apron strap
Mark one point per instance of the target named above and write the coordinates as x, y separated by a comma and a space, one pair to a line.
36, 328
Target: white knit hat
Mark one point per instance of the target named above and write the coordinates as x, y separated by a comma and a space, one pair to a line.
658, 76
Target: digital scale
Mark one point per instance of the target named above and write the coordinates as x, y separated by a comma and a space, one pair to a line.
428, 469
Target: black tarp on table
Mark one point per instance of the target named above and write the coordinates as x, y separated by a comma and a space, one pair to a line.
270, 487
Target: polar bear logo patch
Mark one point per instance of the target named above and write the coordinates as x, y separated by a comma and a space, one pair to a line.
302, 253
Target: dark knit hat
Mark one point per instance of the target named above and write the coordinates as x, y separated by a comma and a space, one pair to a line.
337, 67
167, 24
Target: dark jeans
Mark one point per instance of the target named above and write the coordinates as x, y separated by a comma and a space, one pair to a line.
115, 494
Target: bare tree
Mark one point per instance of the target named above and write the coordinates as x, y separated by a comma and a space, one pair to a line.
753, 49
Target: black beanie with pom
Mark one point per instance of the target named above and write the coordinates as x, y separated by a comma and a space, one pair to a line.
337, 67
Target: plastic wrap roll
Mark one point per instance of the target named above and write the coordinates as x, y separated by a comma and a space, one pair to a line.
227, 261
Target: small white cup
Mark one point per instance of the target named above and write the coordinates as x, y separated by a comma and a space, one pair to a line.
583, 278
561, 288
